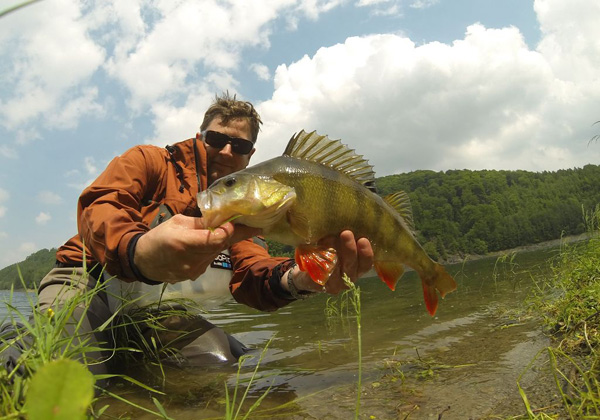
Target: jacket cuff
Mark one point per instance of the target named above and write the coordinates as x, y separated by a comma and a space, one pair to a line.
275, 280
127, 254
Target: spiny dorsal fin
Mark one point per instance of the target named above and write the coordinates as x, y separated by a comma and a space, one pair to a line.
331, 153
401, 203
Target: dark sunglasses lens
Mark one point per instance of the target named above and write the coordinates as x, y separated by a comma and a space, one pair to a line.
241, 146
216, 140
220, 140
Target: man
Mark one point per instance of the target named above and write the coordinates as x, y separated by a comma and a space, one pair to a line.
139, 222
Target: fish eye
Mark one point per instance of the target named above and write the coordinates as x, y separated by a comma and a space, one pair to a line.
229, 182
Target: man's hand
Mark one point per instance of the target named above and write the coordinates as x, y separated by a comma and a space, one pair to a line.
355, 258
182, 248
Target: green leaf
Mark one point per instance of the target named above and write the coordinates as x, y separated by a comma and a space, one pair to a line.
61, 389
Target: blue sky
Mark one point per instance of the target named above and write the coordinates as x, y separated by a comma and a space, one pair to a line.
410, 84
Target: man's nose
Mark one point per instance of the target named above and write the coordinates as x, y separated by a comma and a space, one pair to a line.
226, 150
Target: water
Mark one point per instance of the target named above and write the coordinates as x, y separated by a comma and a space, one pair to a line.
19, 300
463, 363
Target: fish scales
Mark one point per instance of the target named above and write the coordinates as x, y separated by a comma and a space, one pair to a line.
319, 187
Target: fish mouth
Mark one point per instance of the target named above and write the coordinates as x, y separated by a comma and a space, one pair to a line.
212, 209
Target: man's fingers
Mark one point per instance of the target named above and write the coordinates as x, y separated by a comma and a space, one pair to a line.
365, 255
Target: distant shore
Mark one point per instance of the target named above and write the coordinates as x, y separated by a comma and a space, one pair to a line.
456, 259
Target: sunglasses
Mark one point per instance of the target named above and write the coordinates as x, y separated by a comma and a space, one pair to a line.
220, 140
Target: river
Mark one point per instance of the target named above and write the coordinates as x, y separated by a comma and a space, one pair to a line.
462, 363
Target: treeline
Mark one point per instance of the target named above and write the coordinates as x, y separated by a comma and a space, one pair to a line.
455, 212
32, 270
463, 211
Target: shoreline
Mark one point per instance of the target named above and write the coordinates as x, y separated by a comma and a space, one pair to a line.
457, 259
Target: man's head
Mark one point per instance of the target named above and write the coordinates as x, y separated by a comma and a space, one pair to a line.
235, 119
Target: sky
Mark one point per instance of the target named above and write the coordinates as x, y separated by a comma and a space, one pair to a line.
409, 84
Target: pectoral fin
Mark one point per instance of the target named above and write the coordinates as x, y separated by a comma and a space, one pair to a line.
299, 224
317, 261
390, 272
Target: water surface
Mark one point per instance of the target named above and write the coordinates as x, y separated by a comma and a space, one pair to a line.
462, 363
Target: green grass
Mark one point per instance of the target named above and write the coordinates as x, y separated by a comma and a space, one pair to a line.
569, 303
52, 342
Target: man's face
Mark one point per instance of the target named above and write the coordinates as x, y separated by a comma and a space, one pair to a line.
223, 161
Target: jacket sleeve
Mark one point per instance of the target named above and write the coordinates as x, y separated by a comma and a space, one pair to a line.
256, 277
108, 213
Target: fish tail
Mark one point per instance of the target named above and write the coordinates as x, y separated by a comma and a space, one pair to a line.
441, 282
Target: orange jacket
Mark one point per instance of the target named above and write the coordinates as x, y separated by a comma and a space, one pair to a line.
124, 201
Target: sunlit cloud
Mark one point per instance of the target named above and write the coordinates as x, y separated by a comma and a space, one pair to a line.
42, 218
49, 197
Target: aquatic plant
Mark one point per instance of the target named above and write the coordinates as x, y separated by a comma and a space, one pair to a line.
233, 407
354, 298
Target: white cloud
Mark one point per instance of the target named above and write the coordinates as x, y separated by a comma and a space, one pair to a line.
8, 152
48, 58
42, 218
17, 253
80, 105
155, 61
486, 101
571, 38
383, 7
423, 4
261, 71
89, 163
173, 123
49, 197
27, 135
4, 196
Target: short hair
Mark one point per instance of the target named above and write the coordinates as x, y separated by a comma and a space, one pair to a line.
229, 108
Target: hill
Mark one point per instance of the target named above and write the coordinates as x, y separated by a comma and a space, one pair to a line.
476, 212
32, 269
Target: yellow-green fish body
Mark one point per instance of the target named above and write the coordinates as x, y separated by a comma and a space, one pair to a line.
319, 187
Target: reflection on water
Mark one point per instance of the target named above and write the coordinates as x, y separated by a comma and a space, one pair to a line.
471, 354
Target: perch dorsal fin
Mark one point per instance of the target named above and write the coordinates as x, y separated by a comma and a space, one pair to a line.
332, 153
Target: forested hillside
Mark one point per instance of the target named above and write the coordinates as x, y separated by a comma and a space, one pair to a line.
456, 212
476, 212
33, 269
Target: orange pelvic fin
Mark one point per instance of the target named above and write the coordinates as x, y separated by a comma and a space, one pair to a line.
440, 282
317, 261
431, 298
389, 272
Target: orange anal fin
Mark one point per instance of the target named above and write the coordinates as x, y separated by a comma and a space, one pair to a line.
443, 281
431, 298
317, 261
389, 272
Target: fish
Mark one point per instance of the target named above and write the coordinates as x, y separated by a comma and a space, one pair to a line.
321, 187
